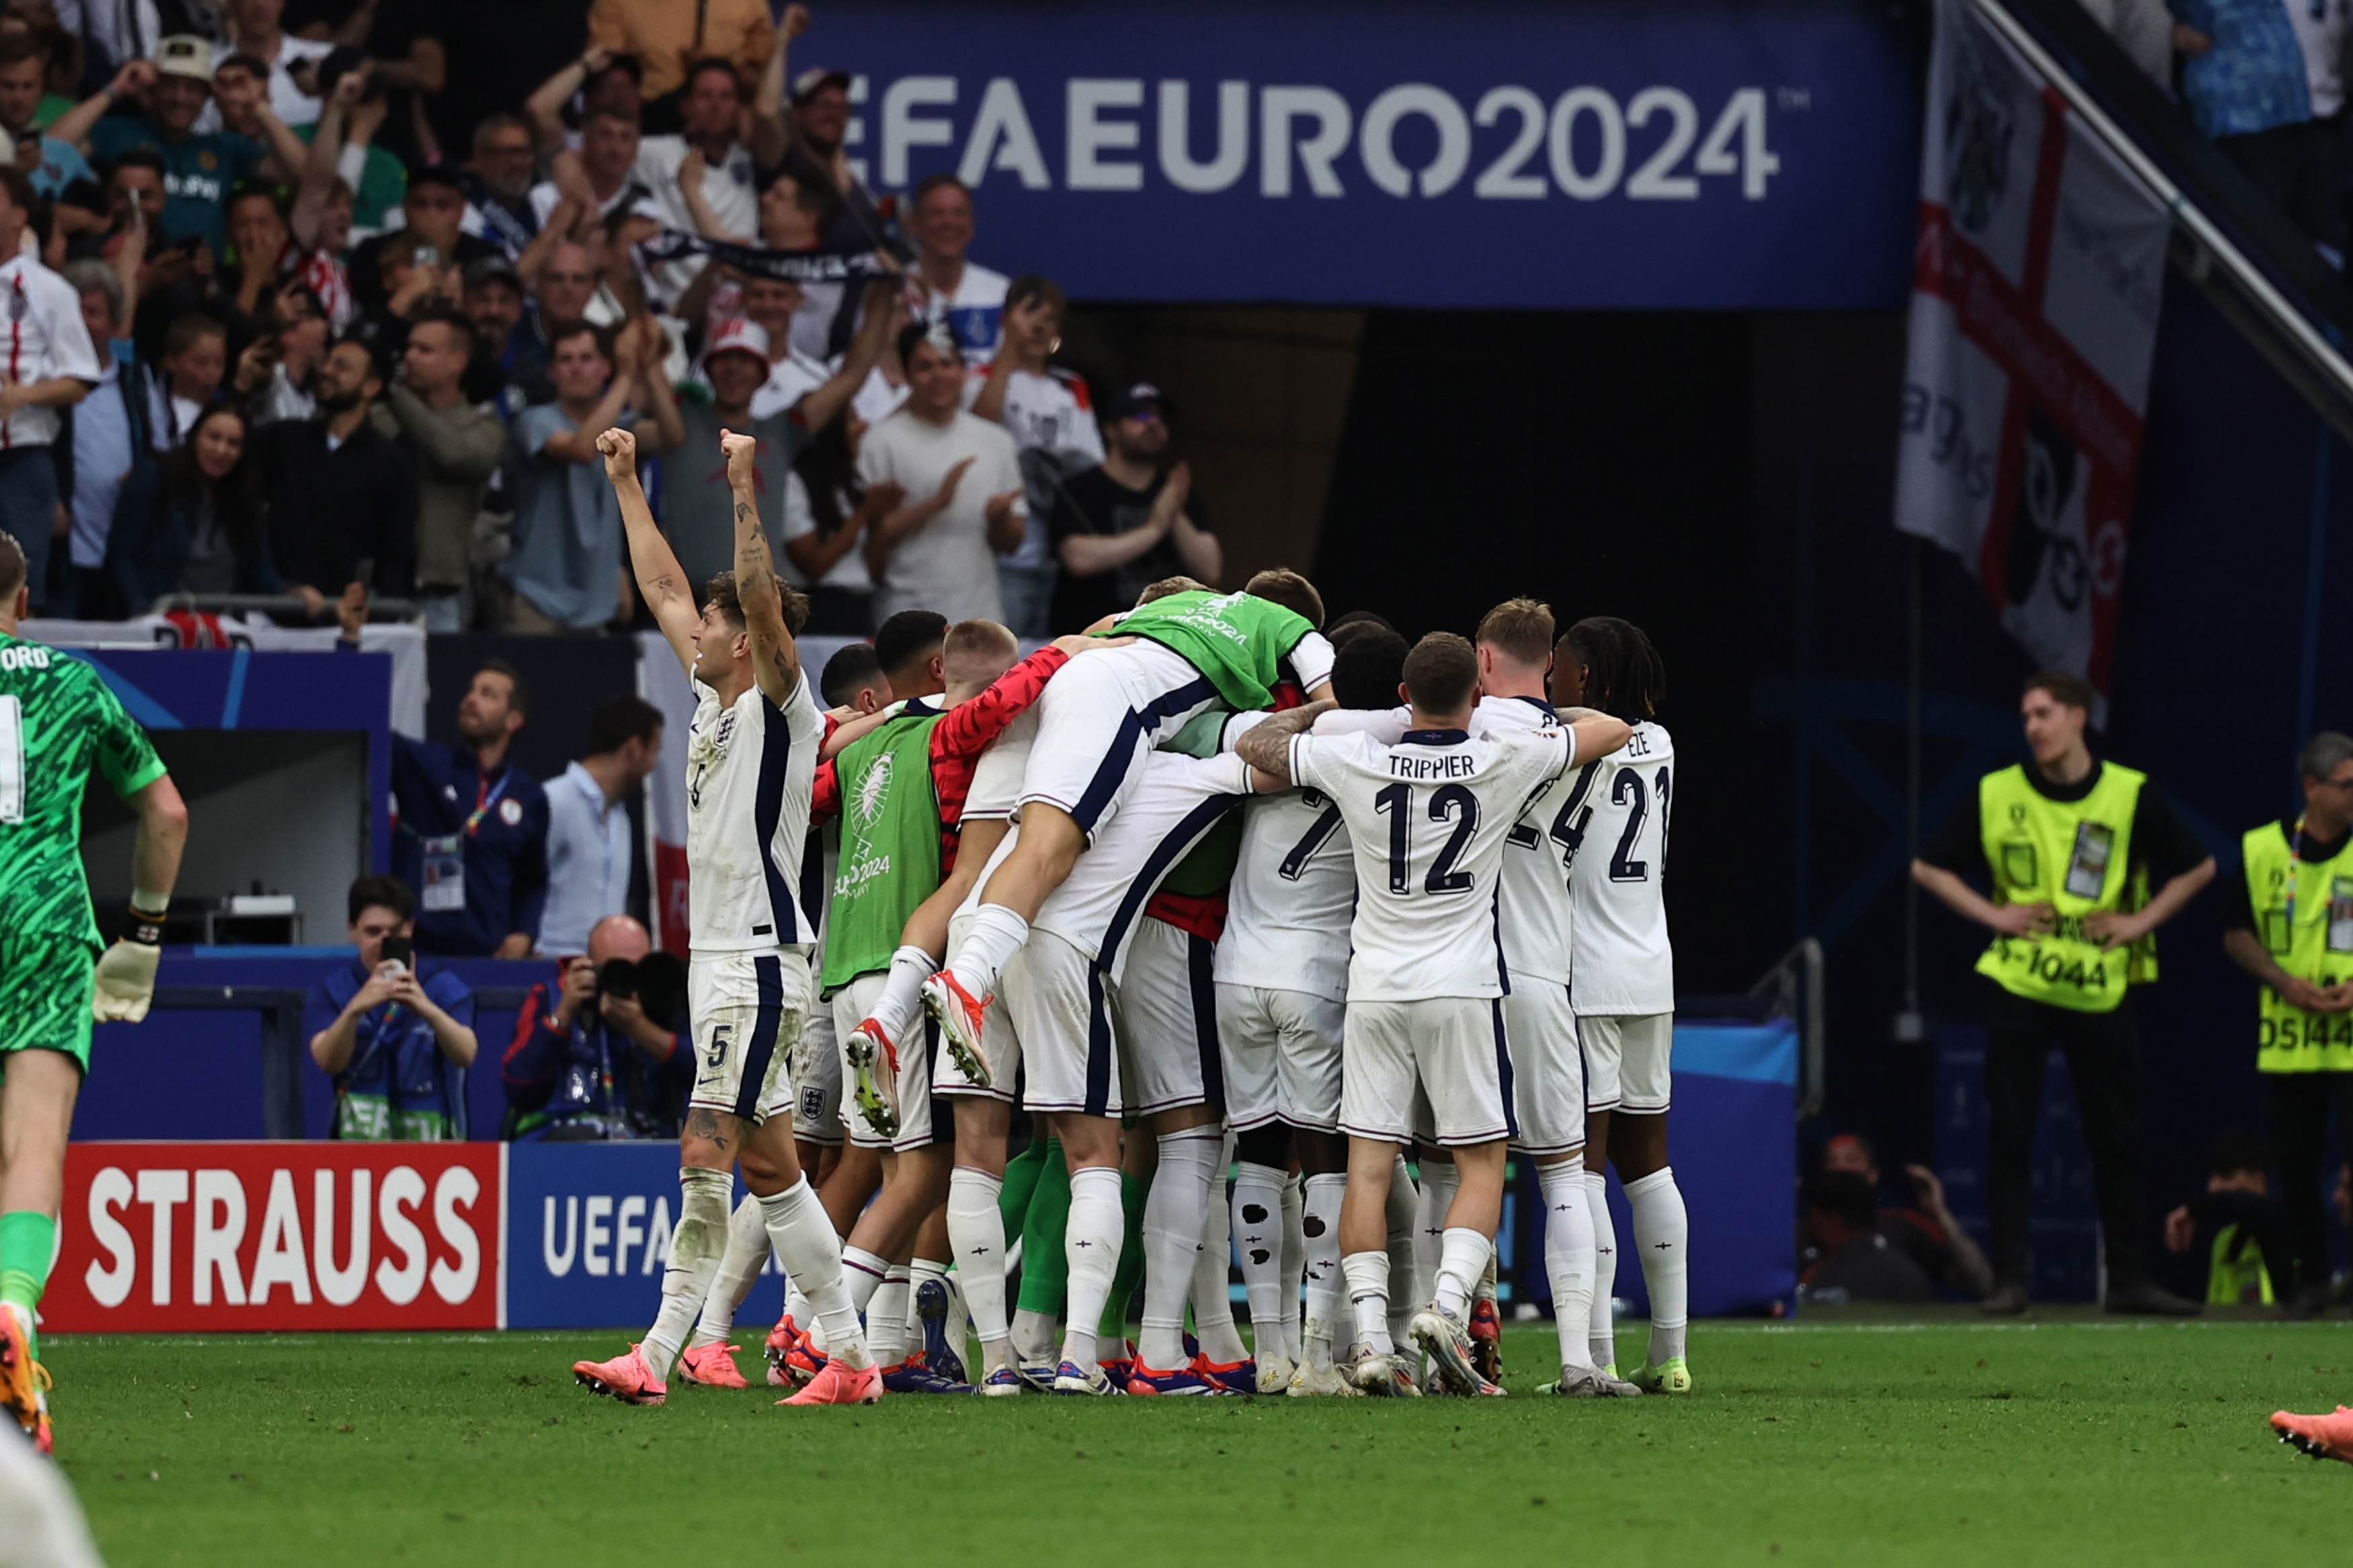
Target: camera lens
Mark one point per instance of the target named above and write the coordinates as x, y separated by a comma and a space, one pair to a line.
618, 977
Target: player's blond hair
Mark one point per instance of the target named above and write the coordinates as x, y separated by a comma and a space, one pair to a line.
1168, 585
973, 653
1519, 629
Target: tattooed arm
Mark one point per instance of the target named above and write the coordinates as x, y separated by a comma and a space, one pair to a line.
668, 593
776, 657
1267, 745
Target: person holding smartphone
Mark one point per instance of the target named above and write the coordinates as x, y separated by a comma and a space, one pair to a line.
396, 1038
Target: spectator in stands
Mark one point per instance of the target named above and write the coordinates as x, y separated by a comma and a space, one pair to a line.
394, 1035
669, 38
200, 166
1045, 410
98, 440
775, 306
509, 350
341, 493
345, 169
599, 179
1844, 1256
566, 569
52, 366
259, 240
435, 212
455, 444
818, 123
472, 825
134, 201
255, 30
600, 1059
792, 215
193, 364
2247, 1251
24, 66
944, 286
2321, 32
827, 515
405, 50
708, 155
277, 374
189, 521
2245, 79
597, 81
936, 549
1929, 1234
498, 184
1122, 526
588, 822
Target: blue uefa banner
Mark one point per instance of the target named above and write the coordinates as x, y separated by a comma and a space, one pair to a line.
587, 1231
1703, 154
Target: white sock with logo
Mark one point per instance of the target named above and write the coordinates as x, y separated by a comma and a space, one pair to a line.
1404, 1220
1091, 1241
976, 1231
697, 1243
1213, 1303
1439, 1180
1295, 1260
1256, 1234
996, 934
1662, 1236
812, 1257
747, 1254
1569, 1257
1367, 1274
886, 1318
1601, 1333
1175, 1213
903, 994
1463, 1257
1321, 1226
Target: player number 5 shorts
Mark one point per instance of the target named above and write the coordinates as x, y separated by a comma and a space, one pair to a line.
747, 1009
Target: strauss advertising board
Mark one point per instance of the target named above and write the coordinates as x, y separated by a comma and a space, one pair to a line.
1600, 156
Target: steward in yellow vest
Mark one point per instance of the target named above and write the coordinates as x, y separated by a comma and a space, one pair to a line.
2071, 846
2288, 922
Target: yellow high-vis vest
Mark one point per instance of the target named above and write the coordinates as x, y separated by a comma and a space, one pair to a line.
2076, 857
2317, 946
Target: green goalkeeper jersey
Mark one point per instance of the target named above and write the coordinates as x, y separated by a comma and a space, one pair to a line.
57, 721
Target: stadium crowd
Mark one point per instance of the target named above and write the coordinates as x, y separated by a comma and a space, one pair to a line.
307, 293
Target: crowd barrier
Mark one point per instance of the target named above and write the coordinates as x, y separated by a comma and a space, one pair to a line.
183, 1235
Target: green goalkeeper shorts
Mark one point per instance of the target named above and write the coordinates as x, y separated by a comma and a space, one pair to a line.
45, 980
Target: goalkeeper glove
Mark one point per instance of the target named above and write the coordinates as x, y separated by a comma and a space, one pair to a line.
126, 971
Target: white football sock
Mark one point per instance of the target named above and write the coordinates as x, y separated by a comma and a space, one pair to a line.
1662, 1236
886, 1318
1569, 1257
918, 1272
1322, 1228
1486, 1290
1175, 1213
1295, 1260
977, 1231
863, 1273
1213, 1303
996, 934
796, 1304
1258, 1241
1403, 1217
811, 1254
1367, 1274
747, 1254
1439, 1180
1091, 1239
1033, 1334
1601, 1333
697, 1243
1461, 1258
902, 993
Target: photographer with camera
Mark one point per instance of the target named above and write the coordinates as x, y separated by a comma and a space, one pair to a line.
396, 1038
596, 1057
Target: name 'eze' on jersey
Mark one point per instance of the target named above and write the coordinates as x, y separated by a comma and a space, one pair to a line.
751, 768
1428, 839
1616, 827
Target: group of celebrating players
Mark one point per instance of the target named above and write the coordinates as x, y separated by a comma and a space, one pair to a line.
1197, 888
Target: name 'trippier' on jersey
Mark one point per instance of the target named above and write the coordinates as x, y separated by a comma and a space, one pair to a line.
1427, 821
750, 770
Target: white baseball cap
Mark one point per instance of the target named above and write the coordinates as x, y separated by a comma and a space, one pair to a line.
749, 337
185, 54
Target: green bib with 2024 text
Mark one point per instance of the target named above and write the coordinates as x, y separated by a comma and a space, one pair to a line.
2076, 857
2318, 948
890, 846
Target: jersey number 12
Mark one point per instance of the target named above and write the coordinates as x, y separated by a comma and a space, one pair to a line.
1448, 801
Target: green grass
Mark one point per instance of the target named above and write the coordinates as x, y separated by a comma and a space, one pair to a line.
1955, 1442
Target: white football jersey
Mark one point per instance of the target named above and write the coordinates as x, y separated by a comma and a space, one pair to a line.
1427, 820
996, 789
1292, 899
1614, 820
750, 771
1535, 881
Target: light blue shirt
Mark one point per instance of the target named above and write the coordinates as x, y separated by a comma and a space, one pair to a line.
567, 525
103, 459
588, 861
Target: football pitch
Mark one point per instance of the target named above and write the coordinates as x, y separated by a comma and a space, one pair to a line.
2078, 1440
